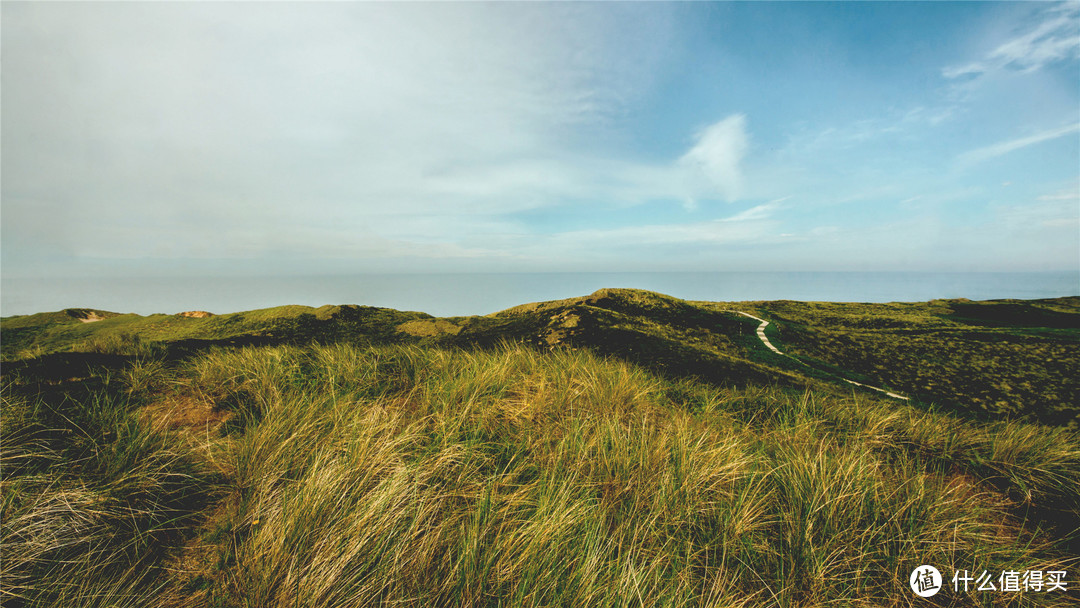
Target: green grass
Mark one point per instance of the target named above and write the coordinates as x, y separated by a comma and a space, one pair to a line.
989, 360
619, 449
36, 335
423, 476
996, 359
92, 498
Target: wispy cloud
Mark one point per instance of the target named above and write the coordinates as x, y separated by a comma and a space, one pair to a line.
360, 132
1068, 194
1044, 215
759, 212
186, 120
999, 149
1052, 39
714, 160
893, 125
753, 225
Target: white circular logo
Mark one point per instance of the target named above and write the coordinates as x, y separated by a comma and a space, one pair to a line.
925, 581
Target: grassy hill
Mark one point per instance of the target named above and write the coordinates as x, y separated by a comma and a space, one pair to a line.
993, 359
621, 448
990, 360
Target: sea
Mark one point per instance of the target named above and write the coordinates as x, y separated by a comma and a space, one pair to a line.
483, 293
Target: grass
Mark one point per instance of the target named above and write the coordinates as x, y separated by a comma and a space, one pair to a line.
30, 336
990, 360
418, 475
620, 449
92, 497
1000, 360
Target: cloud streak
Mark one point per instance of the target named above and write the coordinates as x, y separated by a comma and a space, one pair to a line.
1052, 39
979, 155
752, 225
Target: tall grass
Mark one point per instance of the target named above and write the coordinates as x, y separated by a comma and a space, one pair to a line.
92, 499
426, 477
117, 343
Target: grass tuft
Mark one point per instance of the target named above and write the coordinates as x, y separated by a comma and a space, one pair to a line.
420, 476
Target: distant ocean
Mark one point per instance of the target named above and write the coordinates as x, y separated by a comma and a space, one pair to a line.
470, 294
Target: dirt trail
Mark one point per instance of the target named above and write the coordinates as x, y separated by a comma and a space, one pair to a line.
765, 341
761, 333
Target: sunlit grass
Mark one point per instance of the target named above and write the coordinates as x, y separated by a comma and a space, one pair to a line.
353, 476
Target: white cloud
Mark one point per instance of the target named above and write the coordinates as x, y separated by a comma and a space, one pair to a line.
332, 130
999, 149
894, 125
1041, 217
969, 69
182, 120
1068, 194
1062, 222
931, 116
825, 231
752, 225
655, 246
759, 212
1052, 39
714, 160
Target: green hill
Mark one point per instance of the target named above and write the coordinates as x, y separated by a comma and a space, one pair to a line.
993, 360
621, 448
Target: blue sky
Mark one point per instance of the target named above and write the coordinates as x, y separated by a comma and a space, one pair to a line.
262, 138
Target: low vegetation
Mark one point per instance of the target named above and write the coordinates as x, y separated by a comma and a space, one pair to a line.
1003, 360
522, 459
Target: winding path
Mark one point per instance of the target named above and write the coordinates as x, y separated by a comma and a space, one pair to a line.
765, 341
761, 334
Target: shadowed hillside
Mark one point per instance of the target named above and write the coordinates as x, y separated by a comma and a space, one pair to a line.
995, 359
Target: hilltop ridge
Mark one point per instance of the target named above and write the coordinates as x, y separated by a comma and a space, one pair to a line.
1004, 358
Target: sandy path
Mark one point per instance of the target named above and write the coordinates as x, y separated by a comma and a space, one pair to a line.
765, 341
761, 333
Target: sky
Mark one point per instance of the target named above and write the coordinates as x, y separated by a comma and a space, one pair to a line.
258, 138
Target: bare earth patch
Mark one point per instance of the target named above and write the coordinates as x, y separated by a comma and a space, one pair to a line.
195, 314
84, 315
185, 413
